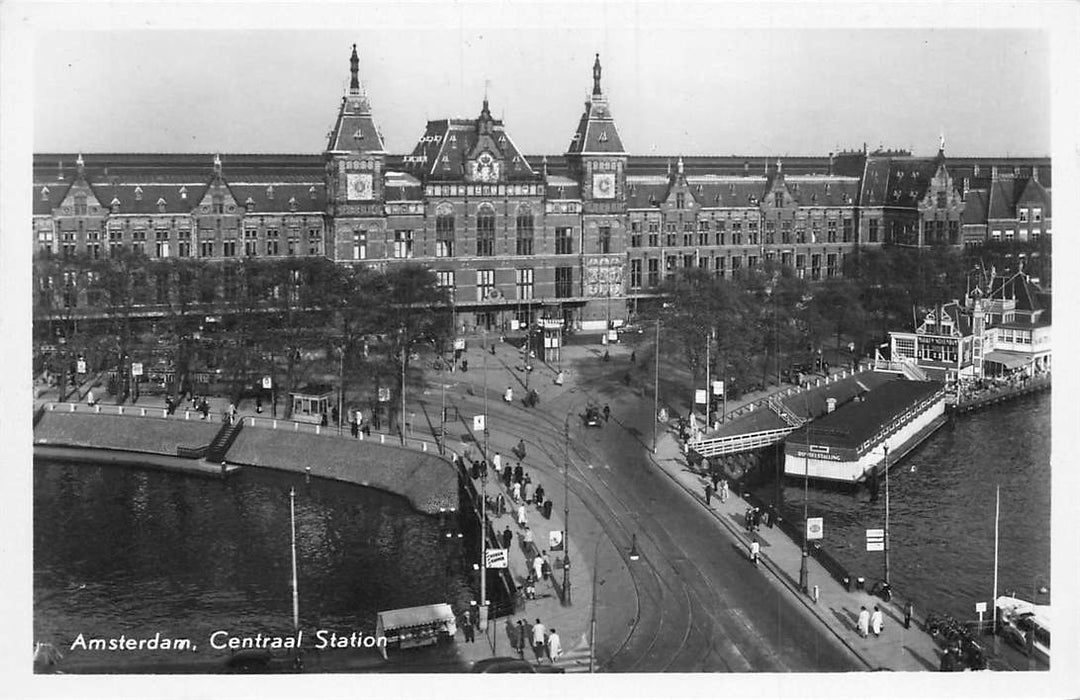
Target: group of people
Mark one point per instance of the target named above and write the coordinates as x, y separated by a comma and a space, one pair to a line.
755, 517
545, 643
870, 622
719, 487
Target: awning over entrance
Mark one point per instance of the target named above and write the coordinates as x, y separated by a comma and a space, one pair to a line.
1010, 360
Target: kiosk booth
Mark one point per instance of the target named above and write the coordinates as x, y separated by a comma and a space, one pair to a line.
423, 625
310, 403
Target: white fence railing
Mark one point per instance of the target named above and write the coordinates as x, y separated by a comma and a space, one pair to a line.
732, 444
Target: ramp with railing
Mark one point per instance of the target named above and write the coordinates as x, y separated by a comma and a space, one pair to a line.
733, 444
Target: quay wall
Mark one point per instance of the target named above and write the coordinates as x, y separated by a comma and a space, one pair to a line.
428, 481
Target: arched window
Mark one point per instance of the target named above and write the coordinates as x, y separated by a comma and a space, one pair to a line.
444, 230
485, 230
524, 230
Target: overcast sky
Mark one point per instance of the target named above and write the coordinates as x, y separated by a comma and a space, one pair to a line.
681, 79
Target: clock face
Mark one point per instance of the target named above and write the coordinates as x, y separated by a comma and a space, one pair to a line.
358, 186
603, 185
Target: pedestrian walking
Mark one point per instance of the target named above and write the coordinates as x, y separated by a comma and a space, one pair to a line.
517, 492
527, 537
497, 461
748, 519
708, 494
530, 588
507, 537
766, 517
354, 428
519, 473
526, 479
864, 622
521, 517
475, 469
877, 621
538, 567
554, 646
508, 397
607, 413
539, 640
483, 469
525, 492
467, 626
545, 568
548, 505
723, 490
500, 504
519, 638
538, 496
507, 476
633, 356
755, 549
909, 611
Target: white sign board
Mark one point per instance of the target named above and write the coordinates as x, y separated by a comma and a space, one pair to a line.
555, 540
268, 383
384, 394
718, 388
497, 559
980, 607
136, 369
478, 422
613, 336
815, 528
699, 396
875, 540
459, 343
80, 366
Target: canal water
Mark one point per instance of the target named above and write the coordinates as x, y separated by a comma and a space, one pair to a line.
941, 512
137, 552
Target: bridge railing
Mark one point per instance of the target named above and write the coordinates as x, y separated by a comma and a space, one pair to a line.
731, 444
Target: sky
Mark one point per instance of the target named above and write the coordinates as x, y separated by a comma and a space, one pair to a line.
683, 78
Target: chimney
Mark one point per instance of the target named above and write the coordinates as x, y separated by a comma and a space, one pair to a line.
830, 163
967, 185
60, 171
1035, 173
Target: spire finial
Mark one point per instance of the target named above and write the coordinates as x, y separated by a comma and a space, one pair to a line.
354, 68
79, 164
941, 142
779, 166
217, 164
680, 165
596, 76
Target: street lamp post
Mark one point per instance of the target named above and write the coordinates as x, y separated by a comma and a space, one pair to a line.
592, 621
566, 512
804, 574
341, 388
656, 386
886, 449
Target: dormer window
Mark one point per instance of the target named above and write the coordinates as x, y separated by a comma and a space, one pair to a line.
44, 194
138, 193
161, 204
446, 159
249, 204
813, 198
311, 193
359, 135
562, 190
827, 187
502, 140
183, 193
270, 192
603, 135
453, 138
292, 203
731, 188
115, 205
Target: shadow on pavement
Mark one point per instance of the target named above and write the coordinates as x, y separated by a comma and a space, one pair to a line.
847, 618
930, 665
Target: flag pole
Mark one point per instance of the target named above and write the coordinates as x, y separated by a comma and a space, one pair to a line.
997, 515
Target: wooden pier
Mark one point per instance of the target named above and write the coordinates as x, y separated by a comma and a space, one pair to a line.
1006, 393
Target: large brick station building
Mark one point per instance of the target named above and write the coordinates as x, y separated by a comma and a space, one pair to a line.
577, 236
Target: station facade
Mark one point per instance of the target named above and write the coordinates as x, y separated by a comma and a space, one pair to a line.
577, 237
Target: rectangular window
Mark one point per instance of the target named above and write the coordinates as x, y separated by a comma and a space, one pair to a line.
785, 259
138, 241
942, 200
314, 238
444, 279
635, 274
272, 241
605, 240
703, 263
670, 263
359, 245
703, 233
785, 232
873, 230
403, 240
485, 235
1036, 214
669, 235
654, 272
525, 239
849, 231
830, 265
654, 234
161, 244
206, 248
524, 282
721, 267
292, 241
485, 285
830, 231
815, 231
1009, 233
444, 236
93, 245
815, 267
635, 234
564, 240
688, 234
687, 261
680, 200
736, 233
251, 242
770, 232
564, 282
752, 232
1023, 216
736, 265
228, 247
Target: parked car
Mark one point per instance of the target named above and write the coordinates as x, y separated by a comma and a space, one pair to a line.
592, 417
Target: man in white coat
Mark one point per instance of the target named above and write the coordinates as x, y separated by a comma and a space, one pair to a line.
864, 622
522, 519
554, 646
877, 621
538, 567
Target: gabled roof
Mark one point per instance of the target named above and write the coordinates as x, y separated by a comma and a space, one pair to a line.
1033, 193
137, 198
1017, 287
823, 190
975, 206
1002, 199
446, 145
279, 198
897, 181
355, 130
48, 196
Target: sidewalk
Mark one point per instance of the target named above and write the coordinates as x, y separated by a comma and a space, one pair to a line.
897, 649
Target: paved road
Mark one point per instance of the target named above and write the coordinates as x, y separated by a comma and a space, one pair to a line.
693, 602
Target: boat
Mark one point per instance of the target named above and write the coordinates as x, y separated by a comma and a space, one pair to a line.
1025, 624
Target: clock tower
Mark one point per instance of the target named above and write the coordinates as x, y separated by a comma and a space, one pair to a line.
596, 155
355, 165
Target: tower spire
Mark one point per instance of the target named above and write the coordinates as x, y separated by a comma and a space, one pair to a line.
596, 76
354, 68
